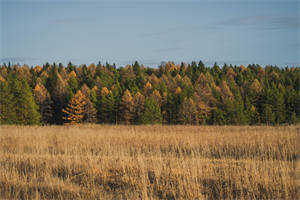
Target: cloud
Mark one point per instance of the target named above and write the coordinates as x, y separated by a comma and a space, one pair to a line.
264, 22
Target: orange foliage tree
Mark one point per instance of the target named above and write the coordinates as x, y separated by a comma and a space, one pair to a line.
74, 113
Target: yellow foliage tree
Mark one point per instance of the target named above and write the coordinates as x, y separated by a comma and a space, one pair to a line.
127, 107
147, 89
178, 90
256, 86
72, 73
95, 88
104, 91
37, 68
225, 91
75, 110
157, 97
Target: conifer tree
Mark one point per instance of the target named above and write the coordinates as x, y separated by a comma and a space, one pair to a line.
90, 112
43, 100
72, 82
139, 103
61, 95
105, 106
147, 89
203, 97
268, 117
7, 114
74, 112
116, 96
127, 107
51, 79
279, 107
188, 112
23, 103
217, 117
157, 97
152, 113
231, 95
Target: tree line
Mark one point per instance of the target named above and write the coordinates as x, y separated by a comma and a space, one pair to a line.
170, 94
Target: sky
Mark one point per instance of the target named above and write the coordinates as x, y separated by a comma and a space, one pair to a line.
235, 32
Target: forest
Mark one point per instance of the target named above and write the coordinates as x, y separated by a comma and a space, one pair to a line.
190, 94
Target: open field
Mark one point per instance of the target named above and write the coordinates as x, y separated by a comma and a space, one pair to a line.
149, 162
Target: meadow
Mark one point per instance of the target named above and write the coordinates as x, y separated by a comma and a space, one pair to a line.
149, 162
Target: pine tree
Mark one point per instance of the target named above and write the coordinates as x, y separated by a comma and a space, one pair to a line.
23, 103
61, 95
7, 114
139, 103
74, 112
267, 115
152, 113
234, 108
51, 79
90, 112
251, 114
106, 106
43, 100
72, 82
279, 107
217, 117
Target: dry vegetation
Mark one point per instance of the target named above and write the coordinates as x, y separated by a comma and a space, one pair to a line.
149, 162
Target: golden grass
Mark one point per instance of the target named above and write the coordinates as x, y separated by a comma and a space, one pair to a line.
149, 162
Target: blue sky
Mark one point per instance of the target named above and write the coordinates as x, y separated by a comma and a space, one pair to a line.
232, 31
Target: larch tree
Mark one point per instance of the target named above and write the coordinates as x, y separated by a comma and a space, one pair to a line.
147, 89
226, 93
74, 112
254, 91
203, 97
157, 97
127, 107
188, 112
85, 90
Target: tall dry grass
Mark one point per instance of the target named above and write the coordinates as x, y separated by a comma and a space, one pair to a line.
149, 162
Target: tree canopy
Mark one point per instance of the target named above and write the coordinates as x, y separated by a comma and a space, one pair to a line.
169, 94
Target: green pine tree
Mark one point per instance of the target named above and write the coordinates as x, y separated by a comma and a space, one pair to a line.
217, 117
23, 102
7, 114
152, 113
268, 116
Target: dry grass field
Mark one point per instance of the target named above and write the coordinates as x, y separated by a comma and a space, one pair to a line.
149, 162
